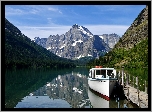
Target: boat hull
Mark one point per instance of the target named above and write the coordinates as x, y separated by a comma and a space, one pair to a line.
102, 86
96, 101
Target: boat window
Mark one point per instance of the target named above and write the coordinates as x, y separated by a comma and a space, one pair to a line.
98, 72
109, 73
101, 72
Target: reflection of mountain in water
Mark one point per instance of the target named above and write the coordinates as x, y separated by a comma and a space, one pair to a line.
70, 87
42, 102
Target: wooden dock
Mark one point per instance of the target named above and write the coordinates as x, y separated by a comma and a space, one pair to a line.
134, 95
141, 100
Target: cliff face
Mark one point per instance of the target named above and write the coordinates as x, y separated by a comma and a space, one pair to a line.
78, 42
21, 52
110, 39
137, 32
132, 49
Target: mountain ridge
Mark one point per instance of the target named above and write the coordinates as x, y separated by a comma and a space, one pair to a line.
21, 52
136, 32
110, 39
131, 51
76, 43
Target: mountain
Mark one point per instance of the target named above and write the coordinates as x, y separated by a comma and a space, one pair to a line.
78, 42
137, 32
21, 52
132, 49
110, 39
41, 41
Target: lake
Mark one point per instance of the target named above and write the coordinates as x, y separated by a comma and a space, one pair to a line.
46, 88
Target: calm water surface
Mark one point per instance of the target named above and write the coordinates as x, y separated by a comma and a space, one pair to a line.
47, 88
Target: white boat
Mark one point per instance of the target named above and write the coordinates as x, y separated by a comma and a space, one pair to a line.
102, 80
96, 101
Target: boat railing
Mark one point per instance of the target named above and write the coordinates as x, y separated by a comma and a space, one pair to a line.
99, 76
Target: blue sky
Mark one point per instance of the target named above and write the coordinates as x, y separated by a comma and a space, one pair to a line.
45, 20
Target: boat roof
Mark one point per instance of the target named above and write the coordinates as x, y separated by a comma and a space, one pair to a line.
102, 69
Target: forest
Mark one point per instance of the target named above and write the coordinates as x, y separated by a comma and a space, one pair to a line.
136, 57
21, 52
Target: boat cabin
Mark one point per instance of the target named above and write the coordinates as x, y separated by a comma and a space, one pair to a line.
102, 73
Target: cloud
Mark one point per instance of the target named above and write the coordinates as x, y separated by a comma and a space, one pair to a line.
55, 10
30, 9
52, 9
14, 11
45, 32
107, 29
33, 11
17, 10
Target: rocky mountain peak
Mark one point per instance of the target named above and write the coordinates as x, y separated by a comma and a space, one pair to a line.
110, 39
75, 26
76, 43
40, 41
137, 32
80, 29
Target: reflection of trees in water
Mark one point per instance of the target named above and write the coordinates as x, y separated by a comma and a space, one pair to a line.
70, 87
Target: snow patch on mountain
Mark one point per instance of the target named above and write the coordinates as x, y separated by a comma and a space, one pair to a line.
85, 32
101, 36
90, 55
62, 46
48, 48
80, 56
76, 42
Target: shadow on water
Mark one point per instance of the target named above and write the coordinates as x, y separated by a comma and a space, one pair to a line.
118, 92
64, 91
19, 83
45, 88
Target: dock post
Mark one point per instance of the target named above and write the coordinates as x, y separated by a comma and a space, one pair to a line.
122, 77
138, 91
145, 87
119, 75
118, 102
119, 78
128, 94
129, 78
137, 82
133, 81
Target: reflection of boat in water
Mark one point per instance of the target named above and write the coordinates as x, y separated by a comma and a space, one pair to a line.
102, 80
96, 101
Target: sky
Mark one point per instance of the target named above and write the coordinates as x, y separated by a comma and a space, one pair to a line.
45, 20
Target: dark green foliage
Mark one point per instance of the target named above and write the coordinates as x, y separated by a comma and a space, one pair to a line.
19, 83
83, 61
141, 73
137, 57
21, 52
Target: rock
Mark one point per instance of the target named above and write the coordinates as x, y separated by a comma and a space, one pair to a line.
137, 32
78, 42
